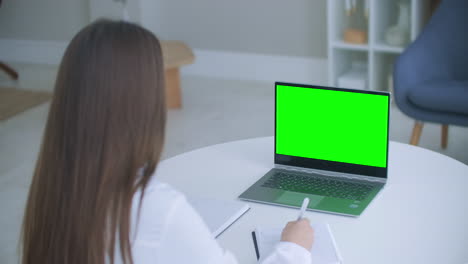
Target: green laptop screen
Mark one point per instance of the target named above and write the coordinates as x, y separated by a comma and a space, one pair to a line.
332, 125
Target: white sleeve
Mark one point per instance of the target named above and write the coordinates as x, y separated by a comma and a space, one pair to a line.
171, 231
186, 239
287, 253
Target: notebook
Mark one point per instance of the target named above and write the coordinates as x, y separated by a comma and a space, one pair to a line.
324, 249
218, 214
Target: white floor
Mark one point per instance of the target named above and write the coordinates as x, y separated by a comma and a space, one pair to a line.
214, 111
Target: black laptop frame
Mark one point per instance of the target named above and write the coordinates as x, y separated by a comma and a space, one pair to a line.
342, 167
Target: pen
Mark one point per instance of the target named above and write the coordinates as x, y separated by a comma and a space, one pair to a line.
305, 203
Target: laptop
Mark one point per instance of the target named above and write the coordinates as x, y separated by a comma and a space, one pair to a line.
331, 145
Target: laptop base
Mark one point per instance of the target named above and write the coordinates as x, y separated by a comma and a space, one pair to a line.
281, 197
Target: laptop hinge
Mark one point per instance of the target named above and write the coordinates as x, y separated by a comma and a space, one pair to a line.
332, 173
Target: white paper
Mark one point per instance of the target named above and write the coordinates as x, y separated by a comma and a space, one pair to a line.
324, 250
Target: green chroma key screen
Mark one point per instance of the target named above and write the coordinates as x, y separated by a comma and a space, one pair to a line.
332, 125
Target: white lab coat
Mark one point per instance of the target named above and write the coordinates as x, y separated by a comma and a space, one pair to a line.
169, 230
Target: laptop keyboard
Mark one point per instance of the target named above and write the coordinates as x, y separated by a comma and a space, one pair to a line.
318, 185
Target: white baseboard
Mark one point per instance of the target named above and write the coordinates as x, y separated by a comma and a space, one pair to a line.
217, 64
248, 66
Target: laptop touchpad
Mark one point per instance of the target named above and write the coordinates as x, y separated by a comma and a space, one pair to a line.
295, 199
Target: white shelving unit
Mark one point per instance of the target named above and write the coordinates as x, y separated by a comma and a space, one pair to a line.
376, 54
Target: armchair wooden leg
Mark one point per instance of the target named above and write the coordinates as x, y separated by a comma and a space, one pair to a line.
12, 73
417, 129
444, 136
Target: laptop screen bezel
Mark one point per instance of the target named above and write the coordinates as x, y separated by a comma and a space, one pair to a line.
343, 167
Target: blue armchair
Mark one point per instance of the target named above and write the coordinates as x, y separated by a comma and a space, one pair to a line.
431, 76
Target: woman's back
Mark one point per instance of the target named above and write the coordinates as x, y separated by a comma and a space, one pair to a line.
106, 124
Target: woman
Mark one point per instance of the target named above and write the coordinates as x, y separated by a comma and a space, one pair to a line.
93, 198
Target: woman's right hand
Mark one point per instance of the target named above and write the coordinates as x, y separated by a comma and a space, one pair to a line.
299, 232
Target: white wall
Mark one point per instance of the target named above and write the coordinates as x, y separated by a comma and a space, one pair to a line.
114, 9
235, 39
273, 27
57, 20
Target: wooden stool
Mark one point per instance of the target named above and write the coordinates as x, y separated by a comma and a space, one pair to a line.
176, 54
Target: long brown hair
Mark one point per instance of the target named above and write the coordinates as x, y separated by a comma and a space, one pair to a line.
102, 142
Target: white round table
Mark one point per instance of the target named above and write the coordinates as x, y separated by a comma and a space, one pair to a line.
421, 215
